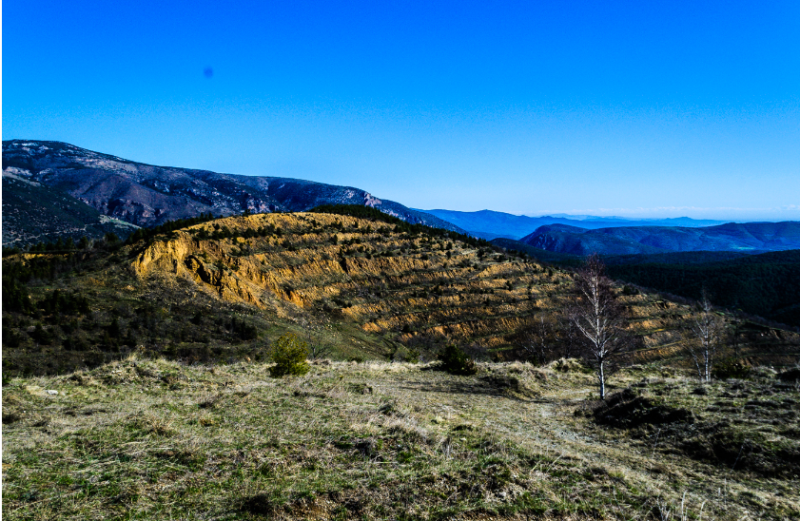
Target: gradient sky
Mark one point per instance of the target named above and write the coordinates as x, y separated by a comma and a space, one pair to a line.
610, 108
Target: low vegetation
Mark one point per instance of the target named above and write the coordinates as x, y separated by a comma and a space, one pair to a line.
289, 354
159, 439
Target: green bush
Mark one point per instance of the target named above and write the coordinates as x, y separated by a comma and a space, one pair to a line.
289, 354
455, 361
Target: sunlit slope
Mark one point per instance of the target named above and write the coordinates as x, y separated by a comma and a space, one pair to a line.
418, 289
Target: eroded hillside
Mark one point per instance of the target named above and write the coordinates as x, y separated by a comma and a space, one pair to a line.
355, 288
417, 289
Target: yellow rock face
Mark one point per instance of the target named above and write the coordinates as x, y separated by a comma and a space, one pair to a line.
407, 288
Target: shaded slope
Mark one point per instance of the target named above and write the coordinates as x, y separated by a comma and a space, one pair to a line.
36, 213
767, 285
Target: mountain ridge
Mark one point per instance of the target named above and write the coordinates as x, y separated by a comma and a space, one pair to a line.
655, 239
149, 195
491, 224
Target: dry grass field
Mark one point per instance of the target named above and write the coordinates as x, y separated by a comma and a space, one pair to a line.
155, 439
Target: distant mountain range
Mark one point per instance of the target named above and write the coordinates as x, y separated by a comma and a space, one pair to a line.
743, 237
53, 189
147, 195
490, 225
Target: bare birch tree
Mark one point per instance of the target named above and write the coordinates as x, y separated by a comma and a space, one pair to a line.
598, 315
704, 339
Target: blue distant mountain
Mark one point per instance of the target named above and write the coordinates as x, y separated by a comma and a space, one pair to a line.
631, 240
488, 224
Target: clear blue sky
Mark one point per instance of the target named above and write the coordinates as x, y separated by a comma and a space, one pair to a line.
612, 108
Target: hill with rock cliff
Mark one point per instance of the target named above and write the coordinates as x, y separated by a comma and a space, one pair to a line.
366, 287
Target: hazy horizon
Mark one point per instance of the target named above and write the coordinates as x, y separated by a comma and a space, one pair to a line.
632, 110
634, 214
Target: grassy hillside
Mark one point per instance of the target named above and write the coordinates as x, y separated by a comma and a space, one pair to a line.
152, 439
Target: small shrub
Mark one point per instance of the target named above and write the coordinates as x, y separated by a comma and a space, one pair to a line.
730, 369
790, 375
455, 361
289, 354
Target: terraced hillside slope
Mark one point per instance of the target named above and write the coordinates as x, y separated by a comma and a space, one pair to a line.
414, 289
364, 287
147, 195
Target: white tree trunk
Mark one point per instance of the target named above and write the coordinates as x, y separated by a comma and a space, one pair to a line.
602, 382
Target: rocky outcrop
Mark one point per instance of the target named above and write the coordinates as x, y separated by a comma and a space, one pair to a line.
412, 289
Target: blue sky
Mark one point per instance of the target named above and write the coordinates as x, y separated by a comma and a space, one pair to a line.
610, 108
